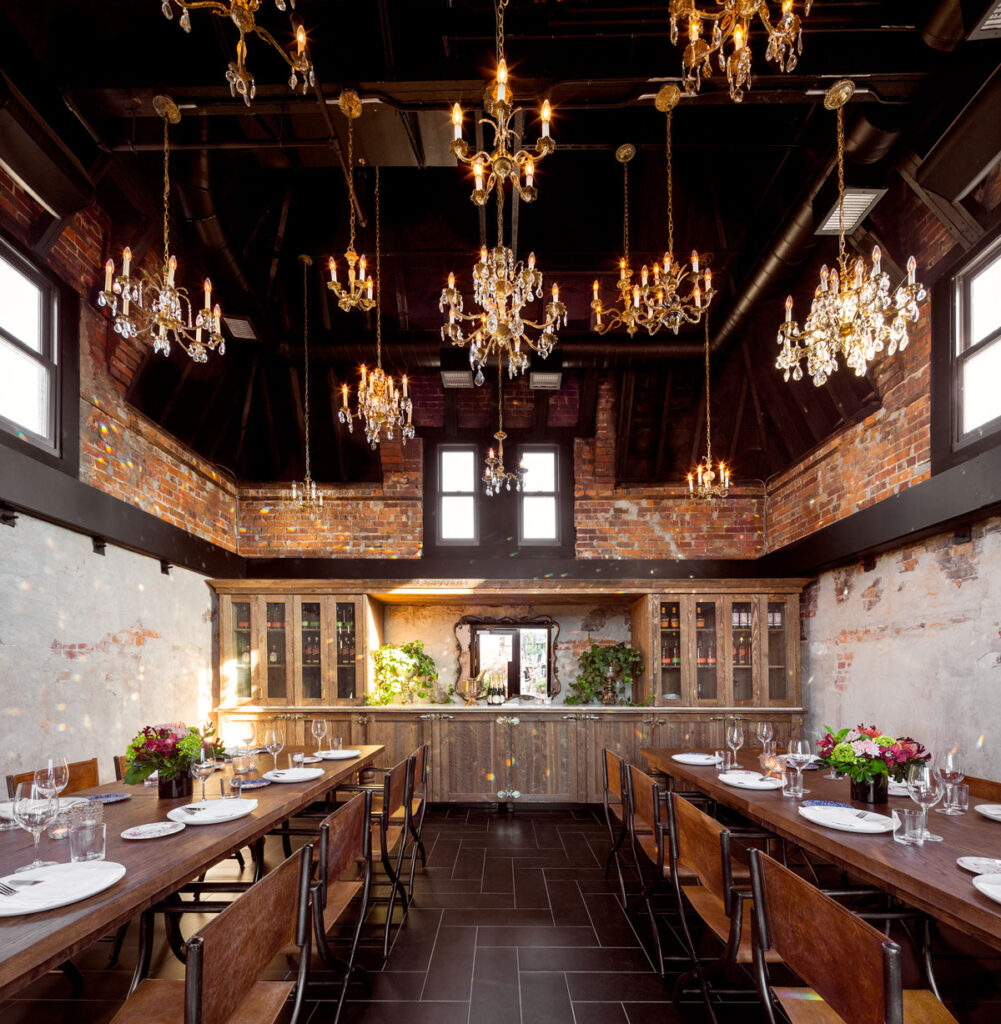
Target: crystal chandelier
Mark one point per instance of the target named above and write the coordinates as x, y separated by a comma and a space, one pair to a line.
851, 305
494, 475
305, 495
156, 306
381, 404
502, 287
731, 22
358, 292
241, 13
502, 163
655, 302
704, 481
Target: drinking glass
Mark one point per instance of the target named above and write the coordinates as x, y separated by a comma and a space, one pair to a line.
948, 765
87, 841
33, 810
336, 742
765, 733
319, 729
735, 738
958, 798
925, 789
274, 742
203, 766
799, 755
53, 778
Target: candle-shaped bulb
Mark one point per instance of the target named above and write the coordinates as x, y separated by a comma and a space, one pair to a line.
451, 281
344, 394
529, 173
478, 175
109, 269
738, 37
207, 285
300, 39
362, 264
697, 294
667, 263
531, 261
691, 485
636, 296
858, 273
171, 268
547, 113
216, 318
912, 268
644, 275
709, 281
695, 261
364, 376
594, 288
877, 258
404, 385
502, 81
410, 413
126, 261
332, 264
456, 121
556, 293
834, 280
371, 286
656, 273
823, 278
694, 28
622, 269
788, 309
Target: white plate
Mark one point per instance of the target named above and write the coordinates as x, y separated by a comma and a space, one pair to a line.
980, 865
897, 789
212, 812
339, 755
154, 830
989, 885
846, 819
693, 758
294, 775
749, 780
7, 806
62, 884
311, 760
992, 811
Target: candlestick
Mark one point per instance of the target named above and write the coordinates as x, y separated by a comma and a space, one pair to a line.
126, 261
547, 113
456, 122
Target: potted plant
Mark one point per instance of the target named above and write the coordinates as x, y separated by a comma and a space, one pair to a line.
168, 750
870, 759
404, 673
604, 671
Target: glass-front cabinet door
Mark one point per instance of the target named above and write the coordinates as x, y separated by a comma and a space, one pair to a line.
743, 649
671, 651
781, 628
240, 665
348, 684
706, 616
310, 630
276, 678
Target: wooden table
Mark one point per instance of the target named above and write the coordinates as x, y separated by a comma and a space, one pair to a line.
32, 944
926, 877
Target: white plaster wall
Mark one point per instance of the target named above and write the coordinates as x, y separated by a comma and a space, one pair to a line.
93, 648
913, 646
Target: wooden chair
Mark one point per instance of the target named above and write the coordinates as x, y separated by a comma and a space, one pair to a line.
851, 966
121, 767
82, 775
421, 759
616, 808
225, 960
344, 872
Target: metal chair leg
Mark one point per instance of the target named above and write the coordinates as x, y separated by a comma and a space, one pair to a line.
147, 922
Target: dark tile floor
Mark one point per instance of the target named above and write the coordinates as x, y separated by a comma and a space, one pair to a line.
513, 923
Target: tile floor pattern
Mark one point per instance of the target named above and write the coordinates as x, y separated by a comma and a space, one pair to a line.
514, 923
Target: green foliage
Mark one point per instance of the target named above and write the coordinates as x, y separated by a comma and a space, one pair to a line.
625, 664
403, 673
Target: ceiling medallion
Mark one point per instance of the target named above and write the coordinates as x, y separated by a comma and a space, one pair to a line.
656, 302
156, 306
502, 163
495, 476
704, 481
305, 495
381, 404
357, 292
731, 23
848, 315
502, 287
241, 13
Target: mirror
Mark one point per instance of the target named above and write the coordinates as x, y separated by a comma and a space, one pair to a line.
524, 647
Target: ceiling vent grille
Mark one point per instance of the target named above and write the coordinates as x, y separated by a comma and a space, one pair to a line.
544, 380
241, 328
989, 26
858, 205
456, 378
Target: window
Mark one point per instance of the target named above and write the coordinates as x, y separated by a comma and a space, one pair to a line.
457, 481
978, 346
29, 353
538, 520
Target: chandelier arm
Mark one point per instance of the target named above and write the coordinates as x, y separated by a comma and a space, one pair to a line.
264, 34
221, 10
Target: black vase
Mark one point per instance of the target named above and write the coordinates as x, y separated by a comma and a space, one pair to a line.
175, 788
875, 791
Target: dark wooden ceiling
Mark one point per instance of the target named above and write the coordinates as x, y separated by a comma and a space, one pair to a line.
257, 186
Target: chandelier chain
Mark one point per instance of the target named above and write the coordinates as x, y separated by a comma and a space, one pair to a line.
166, 191
351, 180
499, 7
670, 191
625, 210
500, 403
709, 443
500, 218
378, 275
305, 349
841, 183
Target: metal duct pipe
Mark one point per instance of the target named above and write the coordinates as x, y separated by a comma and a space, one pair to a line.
943, 30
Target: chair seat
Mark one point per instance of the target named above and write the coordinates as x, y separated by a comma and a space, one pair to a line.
415, 805
339, 895
615, 810
158, 1001
804, 1006
710, 908
393, 834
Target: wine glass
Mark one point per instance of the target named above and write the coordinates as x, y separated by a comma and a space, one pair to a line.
274, 742
53, 778
203, 766
319, 729
735, 738
33, 810
925, 789
765, 733
799, 755
948, 765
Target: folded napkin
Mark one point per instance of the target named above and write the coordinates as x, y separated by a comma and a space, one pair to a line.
60, 884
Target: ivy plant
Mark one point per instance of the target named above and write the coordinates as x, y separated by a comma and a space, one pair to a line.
404, 673
593, 666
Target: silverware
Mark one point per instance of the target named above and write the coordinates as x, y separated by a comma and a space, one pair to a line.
194, 810
23, 881
6, 890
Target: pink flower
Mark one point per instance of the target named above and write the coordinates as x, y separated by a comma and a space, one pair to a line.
866, 747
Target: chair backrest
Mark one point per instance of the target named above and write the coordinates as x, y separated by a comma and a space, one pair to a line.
82, 775
234, 949
422, 766
984, 789
851, 965
345, 839
396, 790
700, 845
612, 768
644, 802
121, 766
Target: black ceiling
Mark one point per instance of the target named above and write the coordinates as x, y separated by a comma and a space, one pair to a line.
257, 186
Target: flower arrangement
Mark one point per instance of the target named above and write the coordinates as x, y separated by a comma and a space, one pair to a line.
864, 753
167, 749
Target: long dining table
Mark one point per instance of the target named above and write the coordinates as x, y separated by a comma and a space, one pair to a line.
32, 944
926, 877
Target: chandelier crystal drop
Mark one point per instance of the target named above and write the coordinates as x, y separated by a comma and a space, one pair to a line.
704, 481
156, 306
358, 291
495, 476
670, 294
505, 161
502, 287
731, 22
243, 15
382, 405
853, 315
305, 495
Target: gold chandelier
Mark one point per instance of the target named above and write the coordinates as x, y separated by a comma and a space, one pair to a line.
848, 315
242, 14
305, 495
655, 302
358, 291
502, 288
502, 163
381, 405
704, 481
495, 476
156, 306
731, 23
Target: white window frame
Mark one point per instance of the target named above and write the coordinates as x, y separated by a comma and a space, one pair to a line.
555, 494
440, 493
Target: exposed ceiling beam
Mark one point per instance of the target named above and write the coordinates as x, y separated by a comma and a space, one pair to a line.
665, 427
246, 411
738, 422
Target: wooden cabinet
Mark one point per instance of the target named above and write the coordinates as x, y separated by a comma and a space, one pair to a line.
468, 757
542, 757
